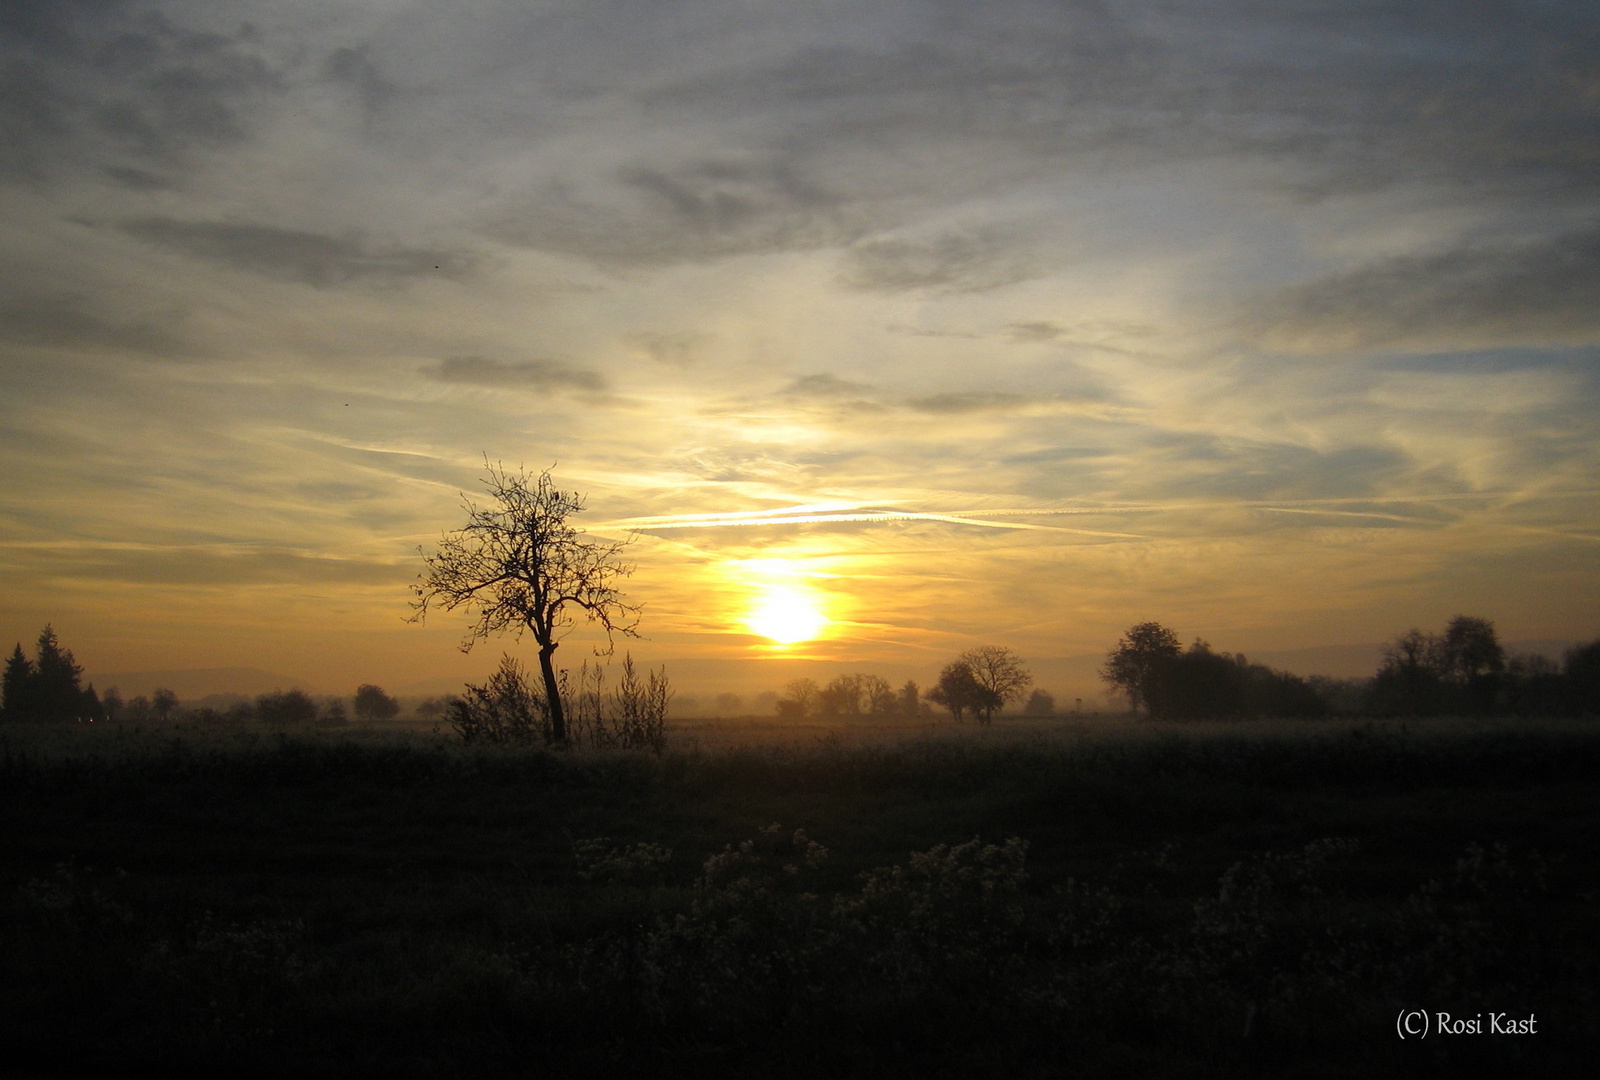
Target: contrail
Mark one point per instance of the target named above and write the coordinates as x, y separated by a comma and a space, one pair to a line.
985, 518
834, 513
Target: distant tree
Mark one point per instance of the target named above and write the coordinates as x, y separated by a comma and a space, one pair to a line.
371, 703
163, 703
959, 691
1279, 693
91, 708
523, 567
878, 697
1474, 660
1428, 674
909, 700
18, 687
111, 702
999, 672
1196, 684
1535, 686
1040, 703
139, 708
1471, 648
286, 708
433, 708
1201, 683
1582, 671
1132, 665
729, 704
841, 697
799, 699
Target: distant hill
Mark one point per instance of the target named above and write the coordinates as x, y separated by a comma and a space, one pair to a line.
193, 683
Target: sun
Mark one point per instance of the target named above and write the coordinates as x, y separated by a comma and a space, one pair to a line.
786, 616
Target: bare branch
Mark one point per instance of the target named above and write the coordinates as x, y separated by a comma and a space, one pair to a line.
520, 566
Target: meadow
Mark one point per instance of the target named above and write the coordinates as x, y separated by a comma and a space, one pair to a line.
897, 898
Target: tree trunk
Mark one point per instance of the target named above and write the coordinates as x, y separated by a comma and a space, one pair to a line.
552, 696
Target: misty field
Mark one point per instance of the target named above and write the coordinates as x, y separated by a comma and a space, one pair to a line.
1038, 898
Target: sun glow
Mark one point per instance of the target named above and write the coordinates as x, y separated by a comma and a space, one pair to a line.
786, 617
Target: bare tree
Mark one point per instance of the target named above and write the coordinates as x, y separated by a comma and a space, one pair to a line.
523, 567
799, 699
999, 672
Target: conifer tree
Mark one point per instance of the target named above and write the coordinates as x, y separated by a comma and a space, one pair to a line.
57, 692
16, 702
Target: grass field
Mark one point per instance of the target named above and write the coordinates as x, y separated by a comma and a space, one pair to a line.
1038, 898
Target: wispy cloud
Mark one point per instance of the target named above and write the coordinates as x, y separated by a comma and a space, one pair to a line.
527, 374
296, 255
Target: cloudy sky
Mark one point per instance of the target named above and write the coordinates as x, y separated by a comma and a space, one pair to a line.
1014, 322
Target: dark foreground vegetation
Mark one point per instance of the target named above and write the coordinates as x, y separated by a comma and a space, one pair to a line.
1253, 901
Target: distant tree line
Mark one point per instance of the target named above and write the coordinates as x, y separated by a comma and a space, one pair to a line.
977, 683
848, 696
1466, 671
48, 686
1463, 671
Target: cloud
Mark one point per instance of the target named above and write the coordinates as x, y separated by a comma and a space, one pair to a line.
672, 349
954, 262
662, 212
1036, 331
355, 68
308, 258
119, 85
969, 402
531, 374
829, 387
1546, 290
74, 322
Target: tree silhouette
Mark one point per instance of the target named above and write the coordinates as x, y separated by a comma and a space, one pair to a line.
524, 568
373, 704
999, 674
1132, 665
959, 691
18, 686
46, 687
1471, 648
282, 709
799, 699
163, 703
909, 699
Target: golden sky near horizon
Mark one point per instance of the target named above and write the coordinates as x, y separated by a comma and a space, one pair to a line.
954, 324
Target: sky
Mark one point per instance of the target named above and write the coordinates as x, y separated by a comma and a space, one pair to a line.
954, 324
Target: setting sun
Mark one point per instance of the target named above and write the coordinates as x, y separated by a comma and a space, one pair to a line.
786, 617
